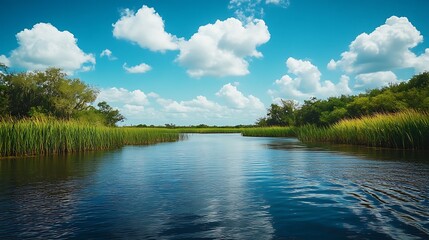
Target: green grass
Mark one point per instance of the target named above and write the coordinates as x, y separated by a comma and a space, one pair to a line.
269, 132
42, 137
405, 130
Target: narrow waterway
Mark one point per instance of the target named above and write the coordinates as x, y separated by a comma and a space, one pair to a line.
218, 186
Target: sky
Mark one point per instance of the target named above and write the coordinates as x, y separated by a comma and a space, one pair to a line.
217, 62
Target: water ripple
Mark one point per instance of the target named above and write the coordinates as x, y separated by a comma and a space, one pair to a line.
217, 187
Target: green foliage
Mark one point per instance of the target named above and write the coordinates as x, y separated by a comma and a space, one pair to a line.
50, 136
111, 116
49, 92
413, 94
279, 115
405, 130
269, 132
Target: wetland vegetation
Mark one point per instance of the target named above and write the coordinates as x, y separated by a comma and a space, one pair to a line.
49, 113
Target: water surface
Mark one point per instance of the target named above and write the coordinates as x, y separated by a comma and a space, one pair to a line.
220, 186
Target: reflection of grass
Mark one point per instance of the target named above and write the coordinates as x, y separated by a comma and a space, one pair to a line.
406, 130
269, 132
41, 137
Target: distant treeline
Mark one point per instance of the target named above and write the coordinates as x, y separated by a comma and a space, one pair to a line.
51, 94
410, 95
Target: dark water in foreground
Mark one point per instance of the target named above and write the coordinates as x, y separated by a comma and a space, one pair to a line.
218, 187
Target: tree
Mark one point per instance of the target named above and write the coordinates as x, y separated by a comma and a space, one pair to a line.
111, 116
4, 97
280, 115
47, 92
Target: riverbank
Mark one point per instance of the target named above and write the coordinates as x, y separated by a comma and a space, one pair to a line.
404, 130
44, 137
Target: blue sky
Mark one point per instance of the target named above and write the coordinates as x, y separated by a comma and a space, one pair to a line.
217, 62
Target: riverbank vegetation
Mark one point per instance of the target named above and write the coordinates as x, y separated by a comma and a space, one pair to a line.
45, 112
395, 116
404, 130
52, 94
28, 137
269, 132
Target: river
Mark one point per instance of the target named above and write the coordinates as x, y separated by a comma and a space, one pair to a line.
218, 186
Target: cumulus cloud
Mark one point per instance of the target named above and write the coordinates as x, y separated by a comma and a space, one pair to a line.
421, 63
141, 68
221, 49
146, 28
236, 99
307, 82
4, 60
45, 46
123, 96
107, 53
197, 105
375, 80
388, 47
151, 108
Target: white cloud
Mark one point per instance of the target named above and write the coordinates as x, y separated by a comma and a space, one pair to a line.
123, 96
107, 53
221, 49
4, 60
283, 3
248, 10
421, 63
146, 28
151, 108
384, 49
141, 68
307, 83
130, 109
45, 46
375, 80
197, 105
236, 99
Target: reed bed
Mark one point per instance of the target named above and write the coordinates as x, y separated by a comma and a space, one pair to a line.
269, 132
43, 137
404, 130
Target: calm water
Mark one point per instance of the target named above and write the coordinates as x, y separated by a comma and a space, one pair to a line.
218, 187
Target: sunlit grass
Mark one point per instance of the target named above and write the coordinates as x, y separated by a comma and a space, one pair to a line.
405, 130
42, 137
269, 132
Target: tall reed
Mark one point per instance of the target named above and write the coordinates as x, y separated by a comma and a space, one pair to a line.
269, 132
41, 137
405, 130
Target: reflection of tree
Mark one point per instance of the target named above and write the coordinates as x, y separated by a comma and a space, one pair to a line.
41, 193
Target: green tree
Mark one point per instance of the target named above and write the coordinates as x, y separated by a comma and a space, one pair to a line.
4, 97
47, 92
280, 115
111, 116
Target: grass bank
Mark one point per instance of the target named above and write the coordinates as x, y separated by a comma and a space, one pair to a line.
405, 130
42, 137
269, 132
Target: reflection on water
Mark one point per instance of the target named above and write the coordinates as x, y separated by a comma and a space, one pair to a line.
38, 194
217, 187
